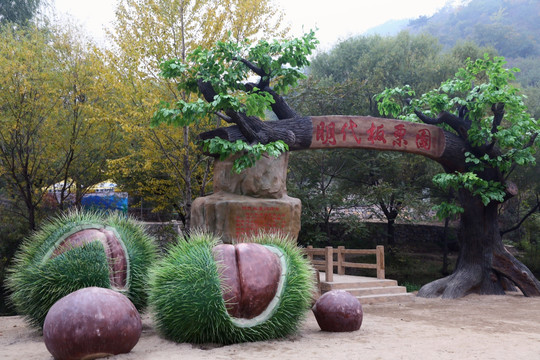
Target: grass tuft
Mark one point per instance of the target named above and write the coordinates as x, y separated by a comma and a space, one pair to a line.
185, 294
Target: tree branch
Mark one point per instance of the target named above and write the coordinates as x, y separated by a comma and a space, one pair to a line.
280, 107
460, 125
528, 145
531, 141
206, 89
224, 117
517, 226
257, 70
498, 114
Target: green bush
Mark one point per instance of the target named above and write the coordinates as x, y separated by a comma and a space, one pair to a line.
12, 232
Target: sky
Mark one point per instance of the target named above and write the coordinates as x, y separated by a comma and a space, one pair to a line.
335, 20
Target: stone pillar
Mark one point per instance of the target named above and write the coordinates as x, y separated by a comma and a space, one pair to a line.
247, 203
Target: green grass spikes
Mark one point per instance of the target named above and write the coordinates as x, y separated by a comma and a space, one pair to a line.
186, 299
36, 280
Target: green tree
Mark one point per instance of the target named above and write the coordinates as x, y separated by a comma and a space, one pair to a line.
375, 63
314, 177
28, 97
488, 133
53, 126
18, 12
392, 185
88, 135
163, 165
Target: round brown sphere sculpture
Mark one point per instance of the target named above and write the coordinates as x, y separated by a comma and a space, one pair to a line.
90, 323
338, 311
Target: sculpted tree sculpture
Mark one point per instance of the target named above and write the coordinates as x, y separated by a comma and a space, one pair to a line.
475, 125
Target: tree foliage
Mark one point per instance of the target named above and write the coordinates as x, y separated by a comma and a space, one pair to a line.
163, 166
483, 86
488, 133
227, 68
18, 12
51, 124
375, 63
315, 177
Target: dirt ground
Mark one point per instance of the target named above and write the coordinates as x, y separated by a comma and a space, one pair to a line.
475, 327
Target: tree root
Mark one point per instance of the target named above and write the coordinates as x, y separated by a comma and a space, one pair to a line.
508, 266
472, 279
465, 280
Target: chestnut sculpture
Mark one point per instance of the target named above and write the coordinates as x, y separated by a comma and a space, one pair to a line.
76, 250
338, 311
205, 292
90, 323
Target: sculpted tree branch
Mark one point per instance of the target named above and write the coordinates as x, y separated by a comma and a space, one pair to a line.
459, 124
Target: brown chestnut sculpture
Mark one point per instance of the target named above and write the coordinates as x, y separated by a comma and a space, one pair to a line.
250, 277
79, 249
205, 292
115, 251
338, 311
90, 323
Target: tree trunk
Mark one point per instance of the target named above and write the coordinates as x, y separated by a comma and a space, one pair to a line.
483, 263
299, 132
444, 269
188, 192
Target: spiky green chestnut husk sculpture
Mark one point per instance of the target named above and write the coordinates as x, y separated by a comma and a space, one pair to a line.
115, 252
186, 294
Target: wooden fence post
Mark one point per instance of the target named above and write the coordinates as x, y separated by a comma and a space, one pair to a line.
329, 259
380, 262
340, 260
310, 255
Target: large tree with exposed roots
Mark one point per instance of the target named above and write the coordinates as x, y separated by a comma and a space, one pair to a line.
485, 134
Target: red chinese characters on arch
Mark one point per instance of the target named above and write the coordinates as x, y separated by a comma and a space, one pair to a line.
399, 136
376, 133
326, 133
423, 139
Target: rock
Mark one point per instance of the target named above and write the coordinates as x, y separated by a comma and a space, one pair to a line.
90, 323
248, 203
235, 217
267, 179
338, 311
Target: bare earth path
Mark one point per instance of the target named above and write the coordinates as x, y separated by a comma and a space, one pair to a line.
475, 327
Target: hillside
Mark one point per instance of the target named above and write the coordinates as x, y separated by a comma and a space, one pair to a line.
510, 26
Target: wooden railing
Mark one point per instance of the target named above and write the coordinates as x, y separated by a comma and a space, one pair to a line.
327, 264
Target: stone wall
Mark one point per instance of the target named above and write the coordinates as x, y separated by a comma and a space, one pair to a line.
168, 232
410, 232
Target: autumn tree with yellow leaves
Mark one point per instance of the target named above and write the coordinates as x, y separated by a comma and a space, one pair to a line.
52, 123
164, 165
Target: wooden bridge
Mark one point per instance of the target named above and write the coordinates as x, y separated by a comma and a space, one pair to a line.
368, 290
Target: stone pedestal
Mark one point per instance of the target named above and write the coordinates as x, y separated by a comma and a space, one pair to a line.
248, 203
